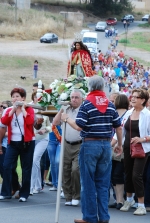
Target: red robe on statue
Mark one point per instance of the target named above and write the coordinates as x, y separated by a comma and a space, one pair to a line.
83, 57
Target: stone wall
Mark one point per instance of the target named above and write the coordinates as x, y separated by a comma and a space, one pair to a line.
23, 4
75, 18
143, 5
147, 4
138, 5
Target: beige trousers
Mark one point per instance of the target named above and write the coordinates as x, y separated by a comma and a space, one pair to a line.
71, 175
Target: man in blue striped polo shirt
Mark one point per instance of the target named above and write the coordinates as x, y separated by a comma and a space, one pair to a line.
96, 118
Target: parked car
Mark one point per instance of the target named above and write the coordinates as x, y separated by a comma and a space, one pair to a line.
129, 18
49, 38
111, 21
145, 18
100, 26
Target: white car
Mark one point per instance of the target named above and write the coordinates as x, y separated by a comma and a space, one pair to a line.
100, 26
84, 31
145, 18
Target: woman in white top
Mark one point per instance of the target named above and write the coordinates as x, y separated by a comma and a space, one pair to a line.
41, 142
140, 133
20, 121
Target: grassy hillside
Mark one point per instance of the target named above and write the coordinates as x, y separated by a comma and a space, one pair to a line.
31, 24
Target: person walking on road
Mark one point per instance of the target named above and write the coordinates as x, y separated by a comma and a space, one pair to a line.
71, 176
124, 23
117, 39
96, 118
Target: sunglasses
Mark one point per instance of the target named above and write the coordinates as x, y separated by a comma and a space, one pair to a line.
135, 97
2, 106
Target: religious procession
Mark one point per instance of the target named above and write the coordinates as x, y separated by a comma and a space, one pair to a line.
95, 137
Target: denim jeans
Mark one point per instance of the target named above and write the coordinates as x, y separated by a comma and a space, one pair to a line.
15, 182
146, 179
2, 161
54, 156
10, 161
95, 172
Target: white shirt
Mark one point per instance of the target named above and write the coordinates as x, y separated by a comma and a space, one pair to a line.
111, 73
45, 125
71, 134
144, 126
115, 88
16, 132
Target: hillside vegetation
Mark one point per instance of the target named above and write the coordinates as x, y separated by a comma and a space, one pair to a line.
30, 24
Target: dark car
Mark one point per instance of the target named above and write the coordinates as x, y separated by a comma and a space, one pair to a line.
111, 21
49, 38
129, 18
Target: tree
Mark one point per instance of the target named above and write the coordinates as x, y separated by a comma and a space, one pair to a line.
113, 6
7, 1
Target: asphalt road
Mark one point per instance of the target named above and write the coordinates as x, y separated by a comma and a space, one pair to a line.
105, 42
40, 208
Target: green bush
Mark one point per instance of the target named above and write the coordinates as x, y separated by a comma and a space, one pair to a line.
145, 25
139, 13
124, 41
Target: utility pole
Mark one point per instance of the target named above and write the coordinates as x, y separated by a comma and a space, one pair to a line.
16, 12
64, 32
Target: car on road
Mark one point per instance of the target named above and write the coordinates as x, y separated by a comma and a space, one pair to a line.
129, 18
84, 31
49, 38
111, 21
100, 26
145, 18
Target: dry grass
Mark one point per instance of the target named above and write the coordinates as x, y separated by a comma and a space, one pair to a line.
31, 24
12, 67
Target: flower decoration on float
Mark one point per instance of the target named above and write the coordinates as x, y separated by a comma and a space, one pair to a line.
60, 90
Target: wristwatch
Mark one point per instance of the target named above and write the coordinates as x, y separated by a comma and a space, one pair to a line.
66, 119
145, 139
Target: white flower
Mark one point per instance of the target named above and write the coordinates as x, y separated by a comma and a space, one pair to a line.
55, 94
63, 96
48, 98
52, 85
44, 99
56, 81
68, 85
57, 88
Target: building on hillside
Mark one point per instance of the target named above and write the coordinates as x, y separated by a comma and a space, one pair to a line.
23, 4
74, 18
143, 5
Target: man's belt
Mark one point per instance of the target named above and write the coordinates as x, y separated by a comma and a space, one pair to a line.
74, 143
90, 139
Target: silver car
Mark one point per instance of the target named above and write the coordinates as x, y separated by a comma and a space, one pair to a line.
145, 18
100, 26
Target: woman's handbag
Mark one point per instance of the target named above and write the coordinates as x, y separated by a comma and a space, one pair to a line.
136, 150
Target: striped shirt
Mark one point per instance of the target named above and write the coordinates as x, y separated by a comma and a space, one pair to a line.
97, 124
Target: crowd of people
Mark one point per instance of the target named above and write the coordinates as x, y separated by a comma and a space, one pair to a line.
99, 133
121, 74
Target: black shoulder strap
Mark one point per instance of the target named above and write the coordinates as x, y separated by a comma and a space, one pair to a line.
18, 124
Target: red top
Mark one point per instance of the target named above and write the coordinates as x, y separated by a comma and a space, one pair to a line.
28, 123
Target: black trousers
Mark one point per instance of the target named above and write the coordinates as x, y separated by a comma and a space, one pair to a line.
117, 174
134, 168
